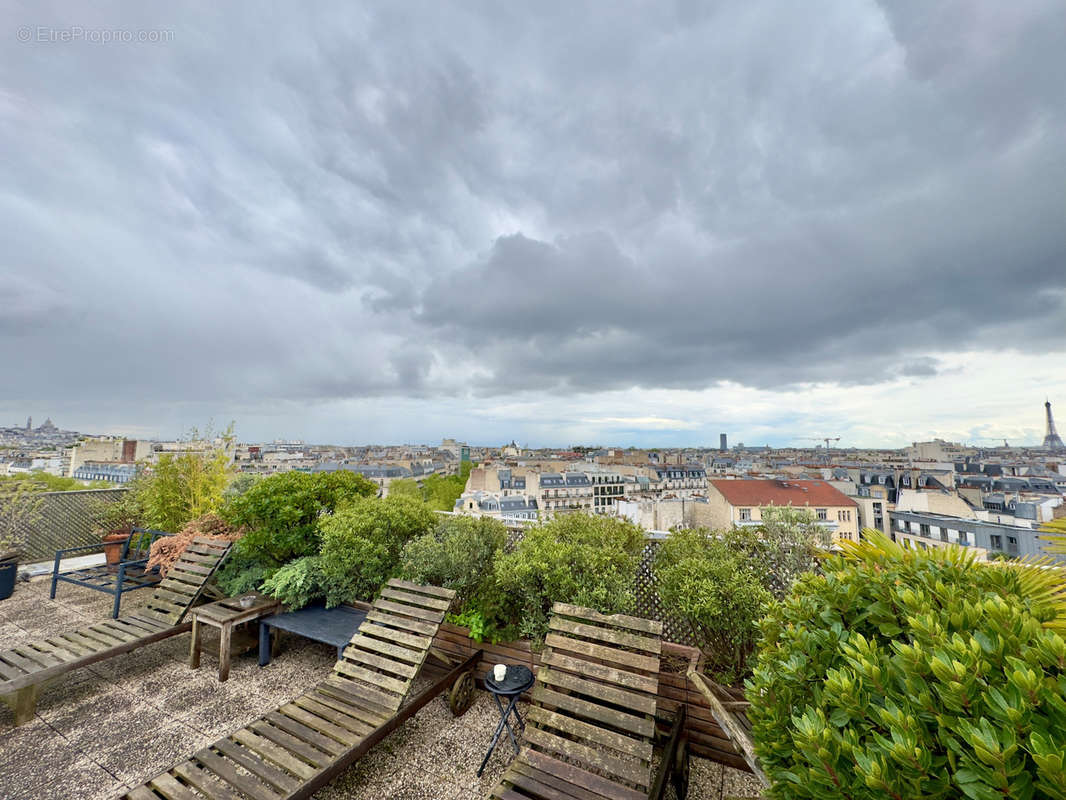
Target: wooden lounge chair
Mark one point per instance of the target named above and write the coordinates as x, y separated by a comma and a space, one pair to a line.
590, 733
24, 669
295, 750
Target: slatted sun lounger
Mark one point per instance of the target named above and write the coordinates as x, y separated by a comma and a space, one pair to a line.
24, 669
301, 746
590, 732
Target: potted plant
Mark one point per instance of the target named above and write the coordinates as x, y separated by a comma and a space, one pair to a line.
114, 523
20, 508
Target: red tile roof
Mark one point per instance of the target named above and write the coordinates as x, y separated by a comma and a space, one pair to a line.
781, 493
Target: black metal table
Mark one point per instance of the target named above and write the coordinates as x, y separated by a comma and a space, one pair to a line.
334, 626
517, 680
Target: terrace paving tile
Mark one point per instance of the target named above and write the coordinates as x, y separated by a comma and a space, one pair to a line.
151, 745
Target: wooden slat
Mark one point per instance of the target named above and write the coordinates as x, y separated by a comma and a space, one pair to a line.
11, 671
228, 774
432, 617
304, 733
385, 648
191, 567
282, 781
363, 715
627, 680
641, 726
541, 784
168, 786
291, 743
435, 603
265, 748
115, 631
39, 659
376, 678
618, 620
436, 591
419, 642
356, 693
611, 636
406, 624
314, 721
596, 735
597, 783
141, 793
641, 703
627, 770
331, 709
614, 655
206, 782
63, 653
365, 658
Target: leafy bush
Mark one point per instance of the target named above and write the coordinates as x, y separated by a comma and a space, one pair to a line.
282, 513
719, 590
361, 544
576, 558
460, 554
297, 583
904, 674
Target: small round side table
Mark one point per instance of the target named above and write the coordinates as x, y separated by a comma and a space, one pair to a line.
517, 680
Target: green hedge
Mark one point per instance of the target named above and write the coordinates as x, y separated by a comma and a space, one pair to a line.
909, 674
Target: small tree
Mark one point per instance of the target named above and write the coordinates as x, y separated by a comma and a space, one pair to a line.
185, 486
720, 590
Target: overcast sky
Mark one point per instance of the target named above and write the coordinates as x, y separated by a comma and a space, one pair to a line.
628, 223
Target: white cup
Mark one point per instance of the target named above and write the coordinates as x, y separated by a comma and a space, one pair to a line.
499, 672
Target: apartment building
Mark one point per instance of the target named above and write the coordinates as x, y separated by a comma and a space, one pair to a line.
915, 529
740, 502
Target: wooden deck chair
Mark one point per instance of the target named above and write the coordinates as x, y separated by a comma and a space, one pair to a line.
24, 669
301, 746
590, 732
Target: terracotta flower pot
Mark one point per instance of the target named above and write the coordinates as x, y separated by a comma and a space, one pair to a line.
113, 547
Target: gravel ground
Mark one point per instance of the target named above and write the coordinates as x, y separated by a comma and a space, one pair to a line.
107, 727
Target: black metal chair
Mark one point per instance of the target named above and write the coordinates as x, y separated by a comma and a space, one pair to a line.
129, 574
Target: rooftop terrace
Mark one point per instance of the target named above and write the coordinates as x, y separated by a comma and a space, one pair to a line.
108, 727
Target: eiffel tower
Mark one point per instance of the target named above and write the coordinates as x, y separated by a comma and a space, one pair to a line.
1051, 438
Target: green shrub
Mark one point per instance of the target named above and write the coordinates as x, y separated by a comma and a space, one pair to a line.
914, 674
576, 558
460, 553
720, 590
361, 544
282, 513
297, 583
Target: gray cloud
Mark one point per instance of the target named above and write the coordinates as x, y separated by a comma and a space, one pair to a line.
330, 203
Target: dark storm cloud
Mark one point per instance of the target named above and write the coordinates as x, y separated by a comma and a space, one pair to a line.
331, 202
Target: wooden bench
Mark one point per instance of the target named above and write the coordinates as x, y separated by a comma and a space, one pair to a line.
301, 746
25, 669
590, 733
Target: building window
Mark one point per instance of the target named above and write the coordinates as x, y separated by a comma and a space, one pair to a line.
822, 513
745, 514
996, 541
1012, 545
923, 529
943, 534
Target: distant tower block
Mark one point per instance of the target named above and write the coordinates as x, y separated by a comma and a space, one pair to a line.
722, 442
1051, 438
29, 423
